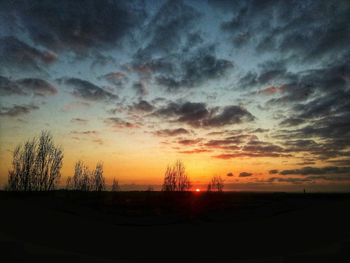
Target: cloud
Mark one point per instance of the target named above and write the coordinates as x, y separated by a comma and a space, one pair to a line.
316, 170
197, 114
142, 106
86, 90
79, 121
26, 86
120, 123
140, 88
84, 132
16, 55
38, 87
226, 156
189, 141
167, 28
290, 122
229, 115
260, 130
274, 171
290, 180
171, 132
287, 28
196, 71
118, 78
194, 151
229, 174
256, 146
17, 110
235, 139
270, 80
77, 26
245, 174
9, 87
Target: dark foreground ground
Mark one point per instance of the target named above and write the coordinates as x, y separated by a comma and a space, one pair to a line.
189, 227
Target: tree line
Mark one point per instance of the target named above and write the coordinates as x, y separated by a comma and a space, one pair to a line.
37, 163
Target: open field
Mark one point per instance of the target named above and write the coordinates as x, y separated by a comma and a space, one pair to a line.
65, 226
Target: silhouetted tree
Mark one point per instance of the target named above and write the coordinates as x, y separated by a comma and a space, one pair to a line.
175, 178
86, 180
115, 185
36, 165
216, 184
98, 181
209, 187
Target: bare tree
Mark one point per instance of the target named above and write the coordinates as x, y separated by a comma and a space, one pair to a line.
36, 165
115, 185
98, 181
86, 180
216, 184
175, 178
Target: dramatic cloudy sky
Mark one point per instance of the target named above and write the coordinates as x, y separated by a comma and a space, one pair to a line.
255, 91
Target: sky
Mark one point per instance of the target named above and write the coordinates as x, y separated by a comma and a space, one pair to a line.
256, 92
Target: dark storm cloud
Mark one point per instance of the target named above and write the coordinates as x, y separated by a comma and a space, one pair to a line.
17, 110
316, 170
142, 106
200, 115
168, 28
245, 174
26, 86
86, 90
171, 132
16, 55
76, 25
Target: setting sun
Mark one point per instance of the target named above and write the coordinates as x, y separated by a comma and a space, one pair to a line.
198, 190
